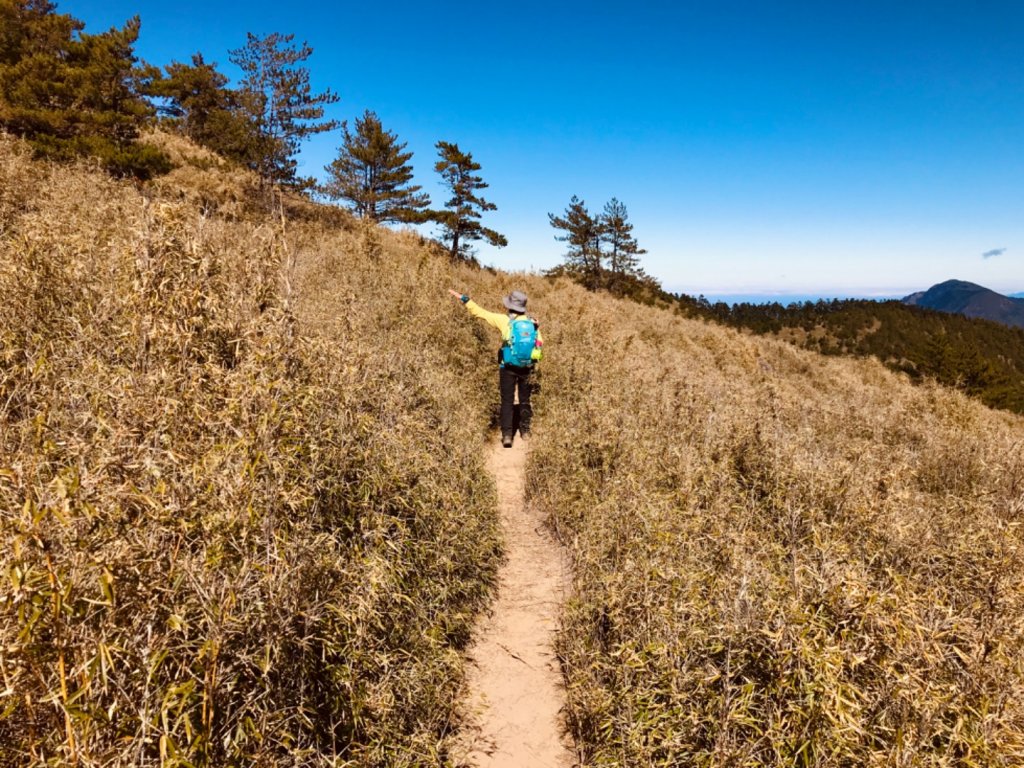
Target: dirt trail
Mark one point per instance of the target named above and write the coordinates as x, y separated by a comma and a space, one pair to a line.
516, 693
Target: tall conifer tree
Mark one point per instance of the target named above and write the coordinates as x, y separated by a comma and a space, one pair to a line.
195, 100
71, 93
583, 233
29, 27
373, 174
621, 248
459, 221
190, 93
276, 95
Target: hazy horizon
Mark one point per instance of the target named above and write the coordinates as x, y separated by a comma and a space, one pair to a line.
788, 297
783, 298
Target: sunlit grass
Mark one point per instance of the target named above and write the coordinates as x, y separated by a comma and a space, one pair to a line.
245, 519
781, 559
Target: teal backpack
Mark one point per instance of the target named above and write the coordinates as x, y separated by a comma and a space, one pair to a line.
518, 350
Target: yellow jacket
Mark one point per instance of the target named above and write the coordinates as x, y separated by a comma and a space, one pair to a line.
498, 320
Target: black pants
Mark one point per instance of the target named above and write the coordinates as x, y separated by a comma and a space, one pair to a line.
509, 378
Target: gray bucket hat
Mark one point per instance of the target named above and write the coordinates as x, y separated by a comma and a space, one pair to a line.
515, 301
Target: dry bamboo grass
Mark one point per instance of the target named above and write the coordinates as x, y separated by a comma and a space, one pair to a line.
245, 521
244, 518
217, 187
781, 559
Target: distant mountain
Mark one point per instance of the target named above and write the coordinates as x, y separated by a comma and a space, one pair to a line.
960, 297
1017, 295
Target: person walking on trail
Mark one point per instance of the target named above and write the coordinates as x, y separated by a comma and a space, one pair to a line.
520, 350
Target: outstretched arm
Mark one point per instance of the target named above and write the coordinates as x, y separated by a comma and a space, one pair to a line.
491, 318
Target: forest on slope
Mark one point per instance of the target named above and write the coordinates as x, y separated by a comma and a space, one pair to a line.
982, 358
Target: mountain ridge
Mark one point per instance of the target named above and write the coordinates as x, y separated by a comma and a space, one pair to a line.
972, 300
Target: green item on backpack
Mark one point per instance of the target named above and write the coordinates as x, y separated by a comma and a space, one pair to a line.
521, 344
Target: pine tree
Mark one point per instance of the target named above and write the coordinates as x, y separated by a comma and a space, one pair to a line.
459, 221
71, 93
28, 27
194, 100
276, 96
372, 173
583, 234
622, 250
190, 94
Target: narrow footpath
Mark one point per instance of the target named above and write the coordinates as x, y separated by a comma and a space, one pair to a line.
516, 693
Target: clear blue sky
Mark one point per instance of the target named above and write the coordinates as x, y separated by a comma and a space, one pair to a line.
857, 148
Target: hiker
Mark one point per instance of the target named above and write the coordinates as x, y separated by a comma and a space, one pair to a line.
520, 349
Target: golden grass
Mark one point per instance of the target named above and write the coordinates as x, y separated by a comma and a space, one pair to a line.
217, 187
244, 518
781, 559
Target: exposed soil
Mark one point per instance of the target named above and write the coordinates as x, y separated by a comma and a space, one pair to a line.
516, 693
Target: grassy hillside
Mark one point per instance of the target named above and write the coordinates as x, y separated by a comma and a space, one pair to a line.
781, 558
244, 518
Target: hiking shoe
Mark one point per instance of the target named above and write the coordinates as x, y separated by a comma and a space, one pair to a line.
524, 431
506, 441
